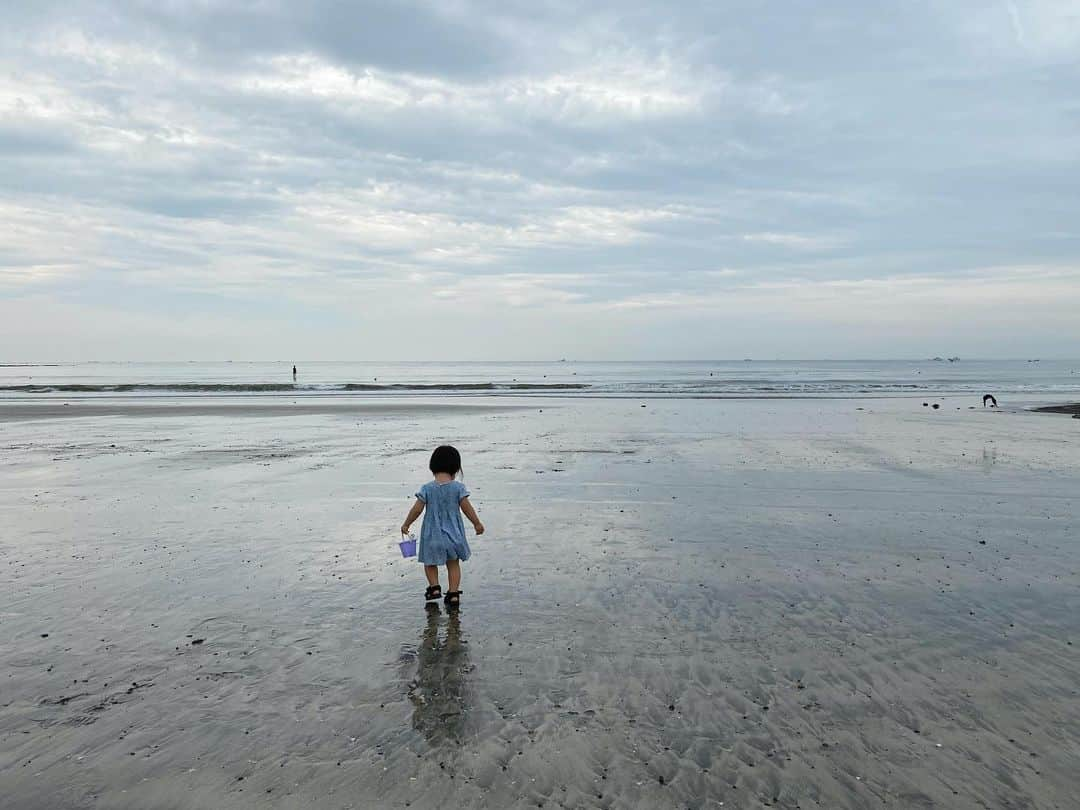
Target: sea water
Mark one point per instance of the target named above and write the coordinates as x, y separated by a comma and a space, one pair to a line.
723, 378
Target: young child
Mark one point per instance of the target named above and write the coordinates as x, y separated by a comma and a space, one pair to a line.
442, 535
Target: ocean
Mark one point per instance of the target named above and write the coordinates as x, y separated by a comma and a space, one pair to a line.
701, 379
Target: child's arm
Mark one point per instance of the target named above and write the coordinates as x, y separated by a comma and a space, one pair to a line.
414, 513
470, 513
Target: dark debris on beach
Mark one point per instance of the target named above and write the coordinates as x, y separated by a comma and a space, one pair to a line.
1072, 409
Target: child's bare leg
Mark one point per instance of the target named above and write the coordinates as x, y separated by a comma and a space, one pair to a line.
432, 574
453, 571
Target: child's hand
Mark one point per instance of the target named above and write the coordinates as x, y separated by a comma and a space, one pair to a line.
479, 527
404, 528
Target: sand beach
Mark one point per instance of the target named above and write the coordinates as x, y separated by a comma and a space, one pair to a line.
849, 603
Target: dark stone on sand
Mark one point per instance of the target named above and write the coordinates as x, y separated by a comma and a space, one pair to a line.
44, 635
195, 641
935, 406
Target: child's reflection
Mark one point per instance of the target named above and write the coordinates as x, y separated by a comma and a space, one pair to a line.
439, 691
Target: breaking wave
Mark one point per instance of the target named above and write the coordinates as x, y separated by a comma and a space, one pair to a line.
243, 388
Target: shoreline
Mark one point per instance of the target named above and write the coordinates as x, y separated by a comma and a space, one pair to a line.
24, 412
420, 403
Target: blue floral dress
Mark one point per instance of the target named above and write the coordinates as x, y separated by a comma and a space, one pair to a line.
442, 535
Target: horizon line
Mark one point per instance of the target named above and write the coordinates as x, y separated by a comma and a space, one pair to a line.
979, 359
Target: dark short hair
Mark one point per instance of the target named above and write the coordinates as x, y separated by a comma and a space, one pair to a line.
445, 459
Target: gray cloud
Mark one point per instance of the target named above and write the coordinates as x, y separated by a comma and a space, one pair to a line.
629, 164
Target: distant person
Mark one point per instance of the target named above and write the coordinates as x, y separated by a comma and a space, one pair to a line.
989, 398
294, 373
442, 534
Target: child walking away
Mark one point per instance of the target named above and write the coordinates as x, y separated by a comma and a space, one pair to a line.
442, 535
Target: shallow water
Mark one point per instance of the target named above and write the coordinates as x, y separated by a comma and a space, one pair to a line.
798, 604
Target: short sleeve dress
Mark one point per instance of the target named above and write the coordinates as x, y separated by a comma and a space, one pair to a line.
442, 535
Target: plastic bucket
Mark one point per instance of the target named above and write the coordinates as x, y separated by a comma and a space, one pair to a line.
408, 547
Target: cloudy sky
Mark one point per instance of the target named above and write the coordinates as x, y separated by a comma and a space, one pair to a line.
509, 179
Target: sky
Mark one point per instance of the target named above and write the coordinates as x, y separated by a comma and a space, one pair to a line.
691, 179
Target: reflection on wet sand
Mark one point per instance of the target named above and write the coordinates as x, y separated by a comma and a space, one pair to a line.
440, 691
747, 603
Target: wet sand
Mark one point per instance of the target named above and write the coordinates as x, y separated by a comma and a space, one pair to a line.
836, 604
173, 407
1072, 408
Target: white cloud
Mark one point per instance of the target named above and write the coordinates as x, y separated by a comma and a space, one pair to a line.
40, 246
514, 290
370, 218
992, 295
591, 95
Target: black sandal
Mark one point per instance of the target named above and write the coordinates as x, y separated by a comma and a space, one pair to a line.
433, 592
453, 599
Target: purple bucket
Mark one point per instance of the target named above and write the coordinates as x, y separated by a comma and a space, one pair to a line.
408, 547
